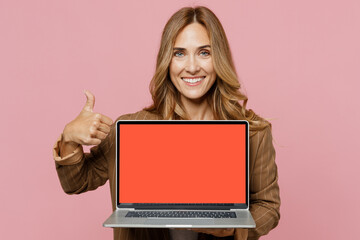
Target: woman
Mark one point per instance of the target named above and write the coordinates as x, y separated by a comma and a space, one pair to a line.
195, 78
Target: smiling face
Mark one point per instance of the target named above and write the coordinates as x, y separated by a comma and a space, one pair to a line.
191, 68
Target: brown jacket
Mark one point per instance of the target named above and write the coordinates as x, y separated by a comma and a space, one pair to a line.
80, 172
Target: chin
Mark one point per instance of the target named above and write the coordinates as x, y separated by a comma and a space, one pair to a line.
193, 96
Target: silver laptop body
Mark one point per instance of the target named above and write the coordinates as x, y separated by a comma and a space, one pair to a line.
204, 215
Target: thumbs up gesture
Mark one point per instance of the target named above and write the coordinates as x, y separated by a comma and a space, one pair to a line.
88, 128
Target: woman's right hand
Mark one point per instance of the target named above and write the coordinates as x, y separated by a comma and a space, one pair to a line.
88, 128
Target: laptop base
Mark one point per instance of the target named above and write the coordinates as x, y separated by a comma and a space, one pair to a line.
118, 219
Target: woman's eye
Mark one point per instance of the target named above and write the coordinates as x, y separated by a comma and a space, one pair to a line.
178, 54
204, 53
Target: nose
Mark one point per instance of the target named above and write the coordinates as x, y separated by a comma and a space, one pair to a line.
192, 65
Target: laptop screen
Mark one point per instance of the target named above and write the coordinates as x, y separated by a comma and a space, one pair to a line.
182, 162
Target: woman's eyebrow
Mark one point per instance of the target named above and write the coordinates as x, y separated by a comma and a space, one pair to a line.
182, 49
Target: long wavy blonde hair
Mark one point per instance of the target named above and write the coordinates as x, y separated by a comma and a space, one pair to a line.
224, 96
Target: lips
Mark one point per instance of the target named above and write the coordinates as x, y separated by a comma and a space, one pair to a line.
193, 81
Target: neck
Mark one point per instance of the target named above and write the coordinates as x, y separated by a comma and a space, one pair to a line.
197, 109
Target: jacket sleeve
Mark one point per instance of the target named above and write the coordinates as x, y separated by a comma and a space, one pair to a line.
264, 188
80, 172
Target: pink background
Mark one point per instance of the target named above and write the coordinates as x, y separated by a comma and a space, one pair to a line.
298, 62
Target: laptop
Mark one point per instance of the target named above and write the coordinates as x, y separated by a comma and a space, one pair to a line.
182, 174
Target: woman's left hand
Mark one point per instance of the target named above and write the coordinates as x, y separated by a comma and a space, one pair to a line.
217, 232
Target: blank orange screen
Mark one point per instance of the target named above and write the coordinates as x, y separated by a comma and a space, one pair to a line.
182, 163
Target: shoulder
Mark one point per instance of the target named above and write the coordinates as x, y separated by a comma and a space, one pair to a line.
258, 136
140, 115
261, 149
260, 130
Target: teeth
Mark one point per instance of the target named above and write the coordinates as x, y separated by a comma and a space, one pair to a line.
192, 80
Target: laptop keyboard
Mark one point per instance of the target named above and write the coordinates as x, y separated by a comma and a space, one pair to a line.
180, 214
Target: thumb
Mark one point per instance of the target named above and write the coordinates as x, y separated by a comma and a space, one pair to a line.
90, 102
